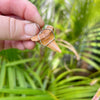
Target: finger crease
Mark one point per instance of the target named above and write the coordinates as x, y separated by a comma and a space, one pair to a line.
12, 28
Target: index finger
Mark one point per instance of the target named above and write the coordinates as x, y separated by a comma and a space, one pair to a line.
21, 8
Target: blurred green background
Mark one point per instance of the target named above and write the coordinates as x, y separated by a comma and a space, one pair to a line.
42, 74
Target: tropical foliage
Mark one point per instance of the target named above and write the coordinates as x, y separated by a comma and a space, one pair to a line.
42, 74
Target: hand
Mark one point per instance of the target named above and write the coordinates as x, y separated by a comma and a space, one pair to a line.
17, 24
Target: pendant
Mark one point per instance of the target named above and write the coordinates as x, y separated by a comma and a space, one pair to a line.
46, 37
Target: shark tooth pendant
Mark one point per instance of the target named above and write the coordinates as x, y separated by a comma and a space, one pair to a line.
46, 37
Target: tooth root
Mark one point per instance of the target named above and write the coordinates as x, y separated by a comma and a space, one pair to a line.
54, 46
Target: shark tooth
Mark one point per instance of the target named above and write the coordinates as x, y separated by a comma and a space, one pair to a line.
46, 37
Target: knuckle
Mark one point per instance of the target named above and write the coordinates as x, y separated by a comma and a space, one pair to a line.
35, 7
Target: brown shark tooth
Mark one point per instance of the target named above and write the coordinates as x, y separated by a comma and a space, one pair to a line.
47, 38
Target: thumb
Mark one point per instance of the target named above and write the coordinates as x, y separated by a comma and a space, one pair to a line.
14, 29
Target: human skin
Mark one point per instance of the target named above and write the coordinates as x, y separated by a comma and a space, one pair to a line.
19, 20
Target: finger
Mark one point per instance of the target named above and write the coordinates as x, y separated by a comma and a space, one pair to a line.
1, 45
21, 45
13, 44
7, 44
17, 44
13, 29
21, 8
29, 44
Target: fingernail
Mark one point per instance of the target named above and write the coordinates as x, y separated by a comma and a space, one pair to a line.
31, 29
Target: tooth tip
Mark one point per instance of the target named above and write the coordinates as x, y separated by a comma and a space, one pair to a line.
54, 47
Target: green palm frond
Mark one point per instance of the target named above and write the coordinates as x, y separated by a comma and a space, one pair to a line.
9, 54
80, 17
91, 52
31, 84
